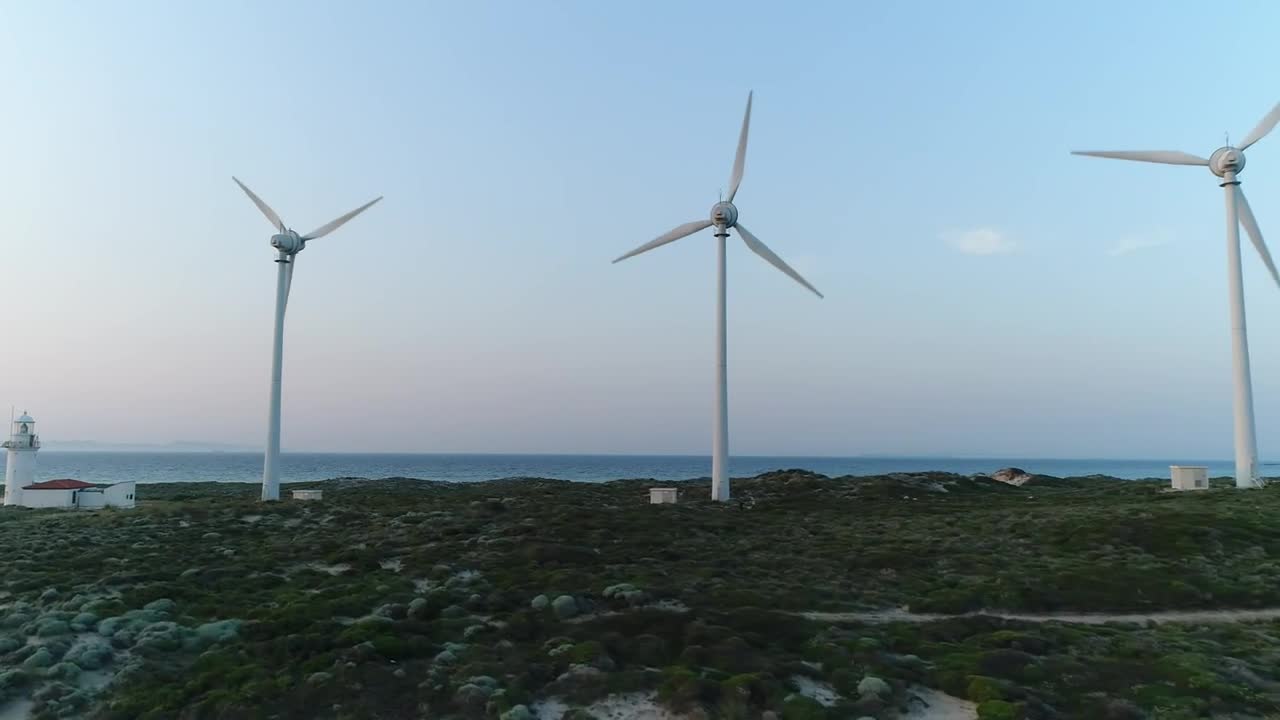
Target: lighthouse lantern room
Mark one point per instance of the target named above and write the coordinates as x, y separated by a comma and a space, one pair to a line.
20, 463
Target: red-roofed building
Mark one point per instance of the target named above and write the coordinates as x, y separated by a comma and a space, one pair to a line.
65, 484
77, 494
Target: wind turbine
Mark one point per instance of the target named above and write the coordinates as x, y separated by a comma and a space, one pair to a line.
724, 215
1227, 162
288, 244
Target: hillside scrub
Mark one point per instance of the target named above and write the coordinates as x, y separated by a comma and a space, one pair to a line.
404, 598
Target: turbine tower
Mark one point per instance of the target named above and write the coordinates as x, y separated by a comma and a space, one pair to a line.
724, 215
287, 244
1227, 162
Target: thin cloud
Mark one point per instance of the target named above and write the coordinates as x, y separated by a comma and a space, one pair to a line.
1134, 243
982, 241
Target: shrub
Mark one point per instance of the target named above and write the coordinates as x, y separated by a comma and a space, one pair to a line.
982, 689
585, 653
997, 710
736, 697
681, 688
799, 707
1006, 663
845, 681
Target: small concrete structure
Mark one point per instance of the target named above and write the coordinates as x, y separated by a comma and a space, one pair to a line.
662, 496
1189, 477
310, 494
118, 495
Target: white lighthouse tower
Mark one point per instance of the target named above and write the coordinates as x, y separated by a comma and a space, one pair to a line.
20, 465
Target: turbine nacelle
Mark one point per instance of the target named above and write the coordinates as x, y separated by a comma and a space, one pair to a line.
288, 242
724, 214
1226, 160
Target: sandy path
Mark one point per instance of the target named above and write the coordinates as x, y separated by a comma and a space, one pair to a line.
927, 704
1173, 616
19, 709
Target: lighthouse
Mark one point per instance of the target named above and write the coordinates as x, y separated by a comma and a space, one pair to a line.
20, 465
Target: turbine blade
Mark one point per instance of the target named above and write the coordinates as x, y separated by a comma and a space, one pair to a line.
1264, 126
266, 209
1167, 157
684, 230
1251, 227
763, 251
739, 160
335, 224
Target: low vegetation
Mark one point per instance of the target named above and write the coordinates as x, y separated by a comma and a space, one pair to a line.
520, 598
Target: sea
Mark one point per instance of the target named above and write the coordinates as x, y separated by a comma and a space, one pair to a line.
153, 467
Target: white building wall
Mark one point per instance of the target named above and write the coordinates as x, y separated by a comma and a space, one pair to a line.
119, 495
19, 471
1187, 477
48, 498
662, 496
90, 499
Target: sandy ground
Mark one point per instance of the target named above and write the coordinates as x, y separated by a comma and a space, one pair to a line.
17, 709
631, 706
820, 691
1172, 616
929, 704
923, 704
672, 606
335, 569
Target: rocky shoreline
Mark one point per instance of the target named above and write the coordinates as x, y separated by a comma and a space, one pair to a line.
523, 598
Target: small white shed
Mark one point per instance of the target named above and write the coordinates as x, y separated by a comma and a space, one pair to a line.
308, 494
1189, 477
118, 495
662, 496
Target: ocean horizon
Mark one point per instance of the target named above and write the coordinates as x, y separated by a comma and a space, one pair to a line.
223, 466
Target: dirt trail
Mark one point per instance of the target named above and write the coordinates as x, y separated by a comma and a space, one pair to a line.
1171, 616
927, 704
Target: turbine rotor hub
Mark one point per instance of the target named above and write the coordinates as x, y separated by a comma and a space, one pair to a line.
288, 242
724, 214
1226, 160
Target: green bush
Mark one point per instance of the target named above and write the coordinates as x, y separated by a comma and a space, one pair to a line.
364, 631
998, 710
585, 653
736, 697
845, 681
681, 688
982, 689
799, 707
952, 682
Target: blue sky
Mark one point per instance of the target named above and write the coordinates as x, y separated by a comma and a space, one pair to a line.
522, 146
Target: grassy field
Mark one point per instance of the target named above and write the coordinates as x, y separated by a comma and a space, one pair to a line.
407, 599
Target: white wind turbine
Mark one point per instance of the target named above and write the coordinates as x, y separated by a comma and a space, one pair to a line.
1227, 162
724, 215
288, 244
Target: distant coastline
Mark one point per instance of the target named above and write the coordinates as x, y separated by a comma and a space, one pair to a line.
173, 447
203, 447
218, 464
